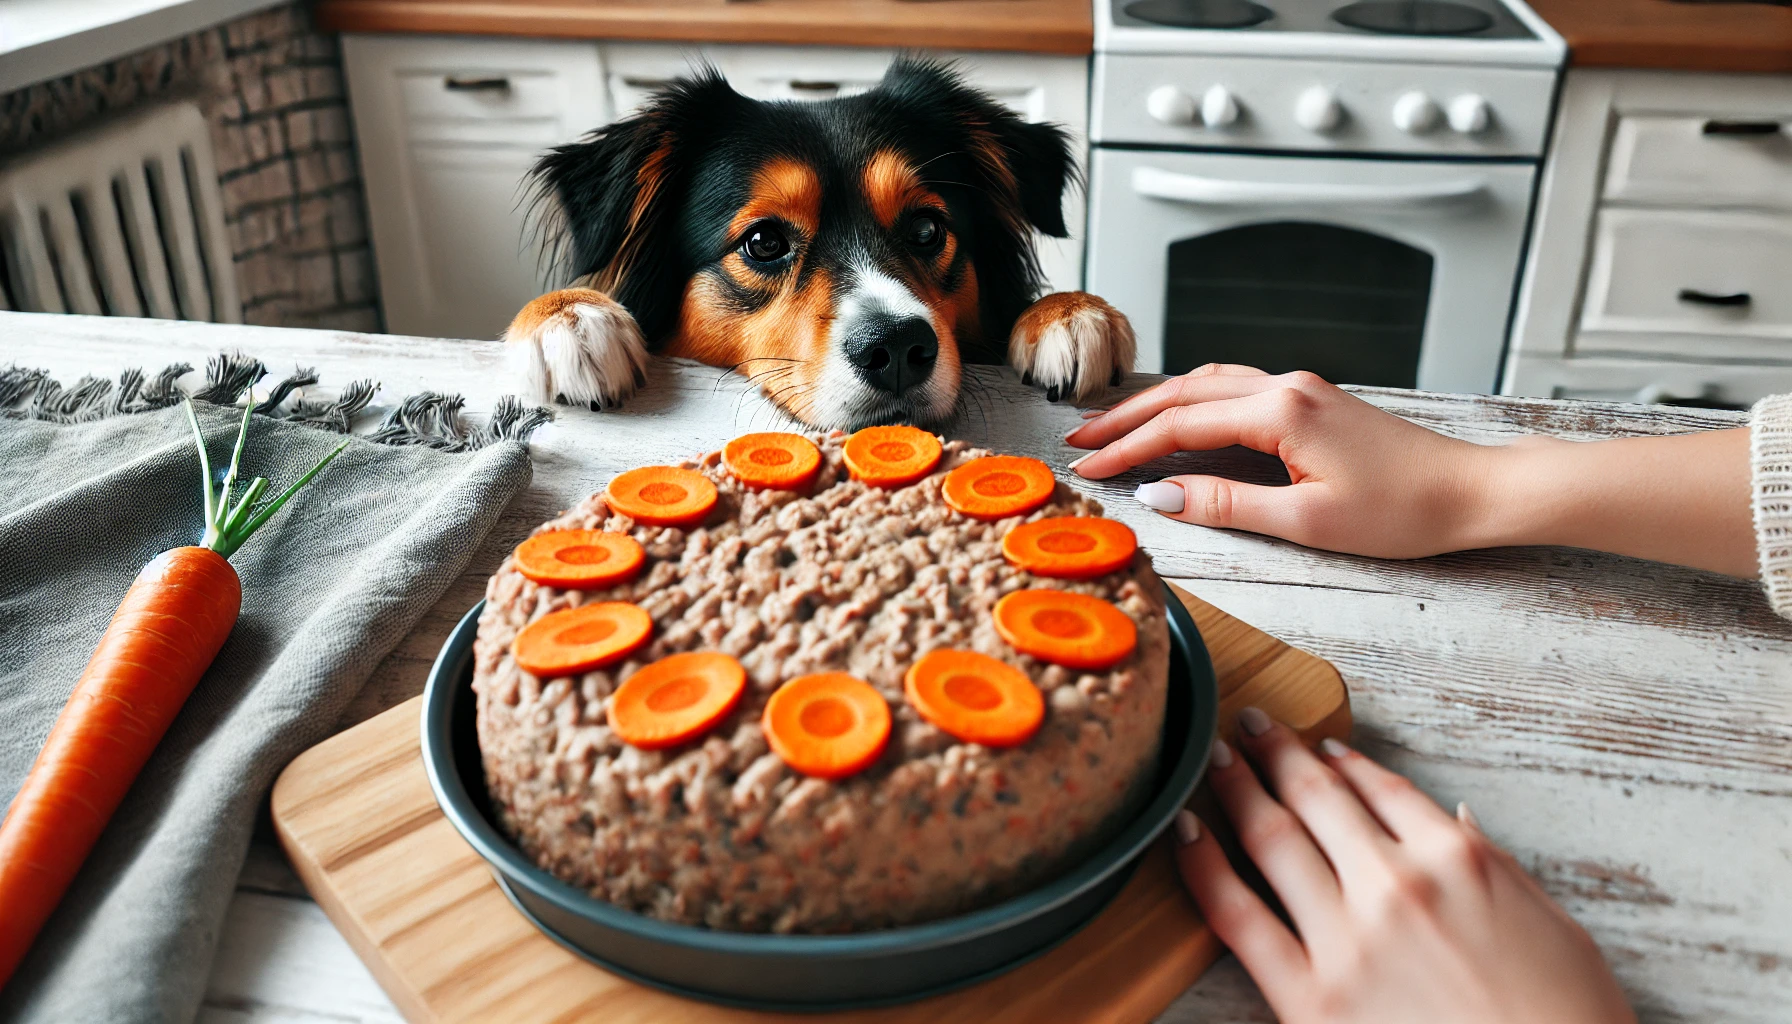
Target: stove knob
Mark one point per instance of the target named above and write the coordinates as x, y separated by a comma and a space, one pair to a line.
1318, 110
1218, 107
1469, 114
1172, 106
1415, 113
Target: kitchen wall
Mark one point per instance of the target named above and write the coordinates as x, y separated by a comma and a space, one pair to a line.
271, 86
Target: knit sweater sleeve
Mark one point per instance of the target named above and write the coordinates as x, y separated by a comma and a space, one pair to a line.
1770, 458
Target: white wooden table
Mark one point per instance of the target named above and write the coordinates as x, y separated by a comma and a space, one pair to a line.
1624, 727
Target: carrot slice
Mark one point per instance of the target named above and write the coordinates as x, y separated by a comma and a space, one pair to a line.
662, 495
891, 456
975, 697
998, 486
580, 559
829, 725
1070, 547
1067, 629
575, 640
677, 698
772, 460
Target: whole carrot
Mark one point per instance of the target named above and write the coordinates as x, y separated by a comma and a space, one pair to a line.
162, 638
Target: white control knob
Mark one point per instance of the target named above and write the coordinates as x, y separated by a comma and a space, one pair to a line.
1469, 114
1218, 107
1415, 113
1318, 110
1172, 106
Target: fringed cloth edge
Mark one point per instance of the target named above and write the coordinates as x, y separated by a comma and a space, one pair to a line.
428, 419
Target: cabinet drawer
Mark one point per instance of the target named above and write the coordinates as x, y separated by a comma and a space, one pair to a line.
1693, 284
1702, 161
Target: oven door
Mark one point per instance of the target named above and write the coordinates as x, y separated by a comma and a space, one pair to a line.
1391, 272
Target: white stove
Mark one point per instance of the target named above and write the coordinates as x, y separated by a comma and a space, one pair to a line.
1335, 185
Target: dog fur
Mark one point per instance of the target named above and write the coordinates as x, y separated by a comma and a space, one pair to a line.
849, 256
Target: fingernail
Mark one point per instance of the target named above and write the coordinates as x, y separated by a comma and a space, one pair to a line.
1163, 496
1466, 816
1333, 748
1254, 721
1073, 431
1222, 754
1090, 414
1079, 461
1188, 827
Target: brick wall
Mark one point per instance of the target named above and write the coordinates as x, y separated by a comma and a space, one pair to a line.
271, 86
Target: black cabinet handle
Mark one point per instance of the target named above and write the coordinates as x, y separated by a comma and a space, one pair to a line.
1693, 295
1742, 127
801, 86
476, 83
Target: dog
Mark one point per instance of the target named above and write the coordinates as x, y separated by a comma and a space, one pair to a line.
849, 256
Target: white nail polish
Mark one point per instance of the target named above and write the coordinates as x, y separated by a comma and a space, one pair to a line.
1333, 748
1254, 721
1222, 754
1079, 461
1188, 827
1163, 496
1072, 432
1466, 816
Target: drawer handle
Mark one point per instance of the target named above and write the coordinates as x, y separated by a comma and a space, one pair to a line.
801, 86
1742, 127
1699, 298
476, 83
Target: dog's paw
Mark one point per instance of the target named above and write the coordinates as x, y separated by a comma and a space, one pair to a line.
577, 346
1073, 345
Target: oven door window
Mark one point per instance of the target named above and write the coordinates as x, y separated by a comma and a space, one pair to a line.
1346, 304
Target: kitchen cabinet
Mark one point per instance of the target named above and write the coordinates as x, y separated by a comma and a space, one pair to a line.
448, 126
1658, 266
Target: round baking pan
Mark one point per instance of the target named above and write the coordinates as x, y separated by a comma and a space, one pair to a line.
813, 972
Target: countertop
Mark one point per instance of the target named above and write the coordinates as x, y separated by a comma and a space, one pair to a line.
1670, 36
1035, 26
1624, 727
44, 39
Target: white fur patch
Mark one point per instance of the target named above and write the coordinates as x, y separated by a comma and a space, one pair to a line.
587, 352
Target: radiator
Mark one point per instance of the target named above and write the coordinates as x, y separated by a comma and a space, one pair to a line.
124, 219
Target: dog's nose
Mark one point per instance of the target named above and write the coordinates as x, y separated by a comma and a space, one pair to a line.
893, 354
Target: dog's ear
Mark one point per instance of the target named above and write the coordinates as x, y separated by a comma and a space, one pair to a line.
607, 203
1024, 167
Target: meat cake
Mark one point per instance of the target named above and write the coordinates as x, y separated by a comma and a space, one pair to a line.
720, 832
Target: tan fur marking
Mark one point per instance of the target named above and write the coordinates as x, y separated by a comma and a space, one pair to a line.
1057, 307
540, 310
889, 182
785, 189
783, 343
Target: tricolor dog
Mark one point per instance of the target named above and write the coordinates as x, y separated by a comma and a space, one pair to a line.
849, 256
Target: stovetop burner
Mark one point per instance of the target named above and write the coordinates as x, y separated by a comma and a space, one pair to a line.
1413, 17
1200, 13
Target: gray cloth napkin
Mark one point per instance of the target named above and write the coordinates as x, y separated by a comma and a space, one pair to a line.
330, 585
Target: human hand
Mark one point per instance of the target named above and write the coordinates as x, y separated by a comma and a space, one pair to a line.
1401, 913
1364, 481
1367, 482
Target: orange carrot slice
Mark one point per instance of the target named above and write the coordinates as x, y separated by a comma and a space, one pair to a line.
1070, 547
1067, 629
575, 640
580, 559
891, 456
829, 725
662, 495
998, 486
975, 697
677, 698
772, 460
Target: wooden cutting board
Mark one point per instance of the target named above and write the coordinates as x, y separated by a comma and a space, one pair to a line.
357, 818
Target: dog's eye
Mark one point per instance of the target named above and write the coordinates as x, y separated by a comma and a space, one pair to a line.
765, 244
924, 231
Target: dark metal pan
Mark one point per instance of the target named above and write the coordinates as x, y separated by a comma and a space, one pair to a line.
813, 972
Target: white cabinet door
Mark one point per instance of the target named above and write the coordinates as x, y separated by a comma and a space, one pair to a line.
446, 129
1038, 87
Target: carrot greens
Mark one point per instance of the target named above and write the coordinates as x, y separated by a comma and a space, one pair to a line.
227, 526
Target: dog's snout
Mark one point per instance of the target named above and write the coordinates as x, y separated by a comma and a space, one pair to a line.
894, 354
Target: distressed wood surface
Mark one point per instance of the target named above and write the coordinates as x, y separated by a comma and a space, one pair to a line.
1624, 727
356, 815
